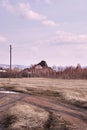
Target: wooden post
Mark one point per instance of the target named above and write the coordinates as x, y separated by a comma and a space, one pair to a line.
10, 58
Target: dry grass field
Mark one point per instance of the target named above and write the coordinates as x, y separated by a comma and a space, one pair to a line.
72, 91
60, 95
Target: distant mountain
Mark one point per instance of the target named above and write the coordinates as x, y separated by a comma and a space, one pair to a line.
42, 64
13, 66
58, 68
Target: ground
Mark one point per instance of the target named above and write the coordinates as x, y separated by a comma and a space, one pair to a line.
43, 104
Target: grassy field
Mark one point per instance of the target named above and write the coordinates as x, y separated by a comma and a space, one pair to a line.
28, 116
71, 91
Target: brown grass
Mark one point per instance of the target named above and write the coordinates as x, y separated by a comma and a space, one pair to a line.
25, 116
28, 117
72, 91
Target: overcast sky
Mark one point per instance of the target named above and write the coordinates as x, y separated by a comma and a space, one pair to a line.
51, 30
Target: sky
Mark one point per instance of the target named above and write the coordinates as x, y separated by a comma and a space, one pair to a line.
50, 30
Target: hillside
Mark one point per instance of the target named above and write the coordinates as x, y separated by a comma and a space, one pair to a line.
39, 70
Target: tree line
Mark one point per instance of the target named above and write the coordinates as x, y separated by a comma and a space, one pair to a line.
67, 73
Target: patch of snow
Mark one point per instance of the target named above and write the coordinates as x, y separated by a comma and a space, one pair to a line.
8, 92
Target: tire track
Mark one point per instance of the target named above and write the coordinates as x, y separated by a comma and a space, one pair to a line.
75, 115
11, 100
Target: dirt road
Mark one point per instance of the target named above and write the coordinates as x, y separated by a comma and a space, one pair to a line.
77, 116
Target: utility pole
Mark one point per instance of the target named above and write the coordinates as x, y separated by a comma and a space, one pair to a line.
10, 58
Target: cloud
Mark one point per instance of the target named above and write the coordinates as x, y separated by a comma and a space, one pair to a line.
45, 1
27, 12
49, 23
24, 9
6, 4
2, 39
62, 36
